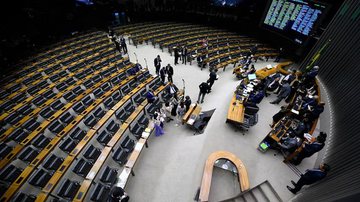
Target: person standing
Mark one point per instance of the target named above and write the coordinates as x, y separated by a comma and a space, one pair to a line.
123, 44
157, 64
117, 43
310, 177
184, 54
204, 88
170, 72
180, 113
284, 92
162, 74
212, 78
187, 103
310, 148
176, 54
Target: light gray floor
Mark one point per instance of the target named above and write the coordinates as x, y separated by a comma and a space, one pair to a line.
171, 168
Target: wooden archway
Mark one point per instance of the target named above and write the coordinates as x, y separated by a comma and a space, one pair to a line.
208, 172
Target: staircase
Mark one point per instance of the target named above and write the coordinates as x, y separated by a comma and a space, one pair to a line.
260, 193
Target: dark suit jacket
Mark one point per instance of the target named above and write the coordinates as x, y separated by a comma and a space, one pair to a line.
313, 175
170, 70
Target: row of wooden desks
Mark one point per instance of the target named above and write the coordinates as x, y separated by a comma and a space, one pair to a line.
192, 114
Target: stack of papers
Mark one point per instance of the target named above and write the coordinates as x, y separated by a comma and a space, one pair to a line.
269, 67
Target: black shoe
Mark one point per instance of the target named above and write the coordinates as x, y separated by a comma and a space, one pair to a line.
292, 182
273, 103
291, 189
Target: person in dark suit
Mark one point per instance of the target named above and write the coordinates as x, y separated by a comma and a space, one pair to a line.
162, 74
310, 177
157, 64
212, 78
309, 149
284, 92
170, 72
117, 43
176, 54
117, 194
204, 88
123, 44
184, 54
187, 103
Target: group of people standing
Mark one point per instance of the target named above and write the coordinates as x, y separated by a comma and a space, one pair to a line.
119, 42
164, 71
180, 53
205, 87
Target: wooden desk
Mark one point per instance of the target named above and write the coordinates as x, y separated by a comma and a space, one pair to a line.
236, 111
136, 153
191, 114
264, 72
208, 172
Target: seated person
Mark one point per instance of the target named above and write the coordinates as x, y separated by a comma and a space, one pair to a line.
318, 109
309, 101
289, 78
273, 85
290, 143
150, 97
256, 97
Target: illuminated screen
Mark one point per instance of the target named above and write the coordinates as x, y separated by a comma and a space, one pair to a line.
293, 18
226, 3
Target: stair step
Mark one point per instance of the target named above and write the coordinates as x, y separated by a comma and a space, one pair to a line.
249, 197
269, 192
260, 195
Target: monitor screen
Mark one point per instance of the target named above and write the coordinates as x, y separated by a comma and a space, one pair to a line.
226, 3
293, 18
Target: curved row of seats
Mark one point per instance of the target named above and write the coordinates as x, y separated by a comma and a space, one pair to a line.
53, 60
223, 48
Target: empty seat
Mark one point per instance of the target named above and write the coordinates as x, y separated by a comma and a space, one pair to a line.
28, 80
80, 75
82, 167
56, 127
63, 74
67, 145
115, 80
40, 141
77, 90
57, 105
32, 90
4, 150
79, 107
108, 175
121, 155
112, 127
122, 115
128, 144
125, 89
99, 113
13, 118
10, 173
61, 86
106, 87
66, 118
132, 83
139, 98
92, 153
143, 120
137, 130
68, 96
87, 100
70, 81
122, 76
88, 71
22, 197
39, 178
109, 103
47, 112
90, 121
88, 84
19, 98
129, 108
28, 154
96, 78
54, 78
116, 95
105, 73
112, 69
38, 101
68, 189
104, 137
98, 92
140, 78
77, 134
31, 125
52, 162
49, 94
42, 84
18, 135
100, 192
